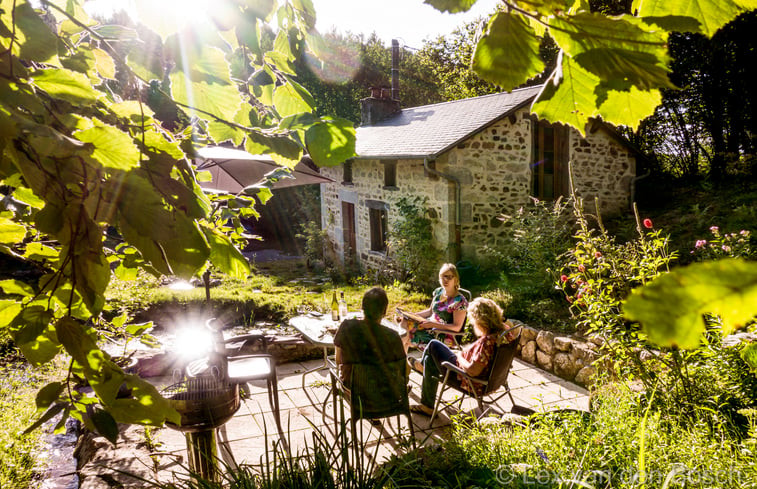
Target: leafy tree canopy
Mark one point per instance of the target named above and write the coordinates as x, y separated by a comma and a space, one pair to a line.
83, 152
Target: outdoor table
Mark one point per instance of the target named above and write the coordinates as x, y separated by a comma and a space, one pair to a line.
320, 329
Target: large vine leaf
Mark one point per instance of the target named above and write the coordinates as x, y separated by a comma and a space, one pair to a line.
331, 143
508, 52
203, 83
112, 147
568, 96
225, 255
705, 16
451, 6
33, 39
11, 232
66, 85
291, 98
671, 308
622, 50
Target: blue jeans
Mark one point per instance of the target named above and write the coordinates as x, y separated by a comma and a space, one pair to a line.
435, 353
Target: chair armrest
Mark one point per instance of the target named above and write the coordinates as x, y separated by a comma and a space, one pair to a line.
442, 331
456, 369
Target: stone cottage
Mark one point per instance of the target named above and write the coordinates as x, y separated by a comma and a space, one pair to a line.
474, 159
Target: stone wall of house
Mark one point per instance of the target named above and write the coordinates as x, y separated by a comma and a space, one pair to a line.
568, 357
602, 167
368, 178
493, 167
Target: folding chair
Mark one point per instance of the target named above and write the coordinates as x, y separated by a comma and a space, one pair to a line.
496, 377
375, 391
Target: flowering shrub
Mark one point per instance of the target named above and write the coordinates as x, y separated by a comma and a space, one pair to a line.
724, 245
598, 273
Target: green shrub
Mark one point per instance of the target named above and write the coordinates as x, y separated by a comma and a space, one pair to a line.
414, 259
539, 234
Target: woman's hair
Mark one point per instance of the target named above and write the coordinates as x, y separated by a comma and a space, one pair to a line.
449, 267
486, 314
374, 303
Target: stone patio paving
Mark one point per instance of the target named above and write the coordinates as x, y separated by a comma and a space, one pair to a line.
252, 430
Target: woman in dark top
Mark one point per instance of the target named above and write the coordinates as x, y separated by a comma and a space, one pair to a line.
366, 341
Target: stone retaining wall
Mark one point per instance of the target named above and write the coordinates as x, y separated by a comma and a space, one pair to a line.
568, 357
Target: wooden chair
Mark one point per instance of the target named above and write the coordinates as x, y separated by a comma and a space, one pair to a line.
456, 335
496, 377
374, 391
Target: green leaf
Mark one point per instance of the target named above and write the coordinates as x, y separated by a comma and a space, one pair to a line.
16, 287
629, 107
112, 147
8, 310
66, 85
671, 308
749, 355
292, 98
615, 48
49, 414
75, 339
104, 423
258, 143
331, 143
705, 16
39, 252
48, 394
508, 52
104, 64
568, 96
28, 197
451, 6
225, 255
221, 132
146, 407
205, 85
34, 39
10, 232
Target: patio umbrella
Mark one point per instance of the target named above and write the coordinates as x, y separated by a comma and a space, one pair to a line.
234, 169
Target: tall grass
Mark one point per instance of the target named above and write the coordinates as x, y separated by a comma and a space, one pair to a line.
18, 451
618, 445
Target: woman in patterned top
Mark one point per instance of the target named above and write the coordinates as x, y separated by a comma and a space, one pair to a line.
475, 359
447, 311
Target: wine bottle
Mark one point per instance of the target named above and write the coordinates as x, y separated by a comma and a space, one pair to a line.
334, 307
342, 306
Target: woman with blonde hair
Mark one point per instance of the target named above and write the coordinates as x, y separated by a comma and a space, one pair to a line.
475, 359
446, 313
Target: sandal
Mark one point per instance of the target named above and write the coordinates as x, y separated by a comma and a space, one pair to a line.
421, 409
415, 364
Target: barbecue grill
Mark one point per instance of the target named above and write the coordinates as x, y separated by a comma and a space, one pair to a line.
207, 397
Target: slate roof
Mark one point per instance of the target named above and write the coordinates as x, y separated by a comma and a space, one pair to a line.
429, 130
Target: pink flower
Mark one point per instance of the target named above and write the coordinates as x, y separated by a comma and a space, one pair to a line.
700, 243
581, 268
647, 223
570, 299
714, 229
727, 249
563, 278
597, 254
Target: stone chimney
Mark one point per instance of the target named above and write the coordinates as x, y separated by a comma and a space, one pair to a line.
383, 101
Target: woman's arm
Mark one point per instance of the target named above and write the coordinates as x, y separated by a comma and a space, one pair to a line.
458, 318
472, 368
